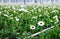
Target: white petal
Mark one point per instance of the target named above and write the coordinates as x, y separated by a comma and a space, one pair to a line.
32, 27
41, 23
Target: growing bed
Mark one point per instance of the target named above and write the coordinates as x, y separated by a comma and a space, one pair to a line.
22, 22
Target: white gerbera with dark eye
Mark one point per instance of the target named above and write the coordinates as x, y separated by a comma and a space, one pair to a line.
41, 23
32, 27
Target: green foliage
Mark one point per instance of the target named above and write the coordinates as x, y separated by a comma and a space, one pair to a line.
15, 22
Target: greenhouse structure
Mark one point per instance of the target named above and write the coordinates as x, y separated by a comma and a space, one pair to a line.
29, 19
27, 1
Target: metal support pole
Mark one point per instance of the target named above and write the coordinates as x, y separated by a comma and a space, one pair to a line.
51, 1
36, 1
24, 2
42, 31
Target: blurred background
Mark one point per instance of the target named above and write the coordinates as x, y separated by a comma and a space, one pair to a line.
27, 1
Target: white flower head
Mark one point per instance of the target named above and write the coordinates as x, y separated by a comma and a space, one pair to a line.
54, 11
22, 6
11, 17
5, 15
13, 7
55, 16
35, 17
32, 27
41, 23
14, 11
22, 9
4, 10
46, 11
24, 33
34, 8
40, 15
0, 12
57, 21
17, 19
54, 7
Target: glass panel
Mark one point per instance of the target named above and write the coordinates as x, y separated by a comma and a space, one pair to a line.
12, 0
55, 0
5, 0
44, 0
47, 0
19, 0
58, 0
38, 0
29, 0
0, 0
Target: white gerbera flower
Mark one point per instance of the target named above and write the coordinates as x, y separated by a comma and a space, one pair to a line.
54, 7
35, 17
22, 6
17, 19
54, 11
4, 10
22, 9
56, 18
34, 8
11, 17
13, 7
24, 38
5, 15
57, 21
40, 15
14, 11
32, 27
0, 12
41, 23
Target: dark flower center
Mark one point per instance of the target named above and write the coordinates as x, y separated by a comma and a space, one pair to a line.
40, 23
32, 27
